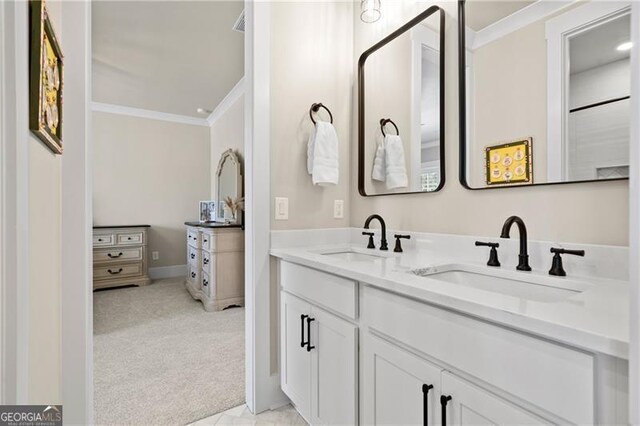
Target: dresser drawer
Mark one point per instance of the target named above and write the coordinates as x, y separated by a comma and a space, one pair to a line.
207, 284
329, 291
553, 377
193, 256
105, 272
130, 238
193, 275
102, 240
193, 238
208, 262
208, 241
117, 255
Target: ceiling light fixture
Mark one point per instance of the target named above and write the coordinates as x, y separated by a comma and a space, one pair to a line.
203, 111
370, 11
627, 45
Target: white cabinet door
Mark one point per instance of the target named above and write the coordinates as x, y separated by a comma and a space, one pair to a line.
396, 386
470, 405
295, 360
334, 353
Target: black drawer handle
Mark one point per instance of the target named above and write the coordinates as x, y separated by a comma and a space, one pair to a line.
205, 283
206, 241
309, 321
193, 275
114, 256
129, 238
425, 403
444, 399
99, 240
302, 342
205, 261
193, 255
114, 273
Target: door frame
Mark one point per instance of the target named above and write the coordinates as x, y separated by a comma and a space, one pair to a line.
262, 387
634, 223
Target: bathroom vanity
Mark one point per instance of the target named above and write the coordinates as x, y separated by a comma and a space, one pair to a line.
434, 336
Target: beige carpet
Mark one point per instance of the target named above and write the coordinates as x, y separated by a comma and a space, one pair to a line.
159, 358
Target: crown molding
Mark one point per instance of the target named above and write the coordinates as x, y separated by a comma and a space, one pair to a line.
516, 21
233, 95
149, 114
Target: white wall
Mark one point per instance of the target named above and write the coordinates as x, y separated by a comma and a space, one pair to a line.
311, 61
587, 213
227, 132
150, 172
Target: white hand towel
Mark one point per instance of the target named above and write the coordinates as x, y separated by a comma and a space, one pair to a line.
322, 154
378, 171
395, 166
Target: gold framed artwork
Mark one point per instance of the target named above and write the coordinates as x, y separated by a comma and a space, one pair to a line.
510, 163
45, 78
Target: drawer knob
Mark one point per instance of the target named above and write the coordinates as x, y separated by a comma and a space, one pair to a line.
114, 273
205, 283
114, 256
193, 255
193, 275
205, 261
129, 238
100, 240
206, 241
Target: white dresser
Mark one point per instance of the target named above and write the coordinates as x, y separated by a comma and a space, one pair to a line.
215, 259
120, 256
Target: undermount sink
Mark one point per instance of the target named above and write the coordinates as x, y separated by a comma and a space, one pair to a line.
352, 255
513, 283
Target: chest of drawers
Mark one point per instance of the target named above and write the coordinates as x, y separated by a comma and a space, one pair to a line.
215, 272
120, 256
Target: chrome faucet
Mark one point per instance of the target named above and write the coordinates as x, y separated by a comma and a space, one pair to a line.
523, 257
383, 239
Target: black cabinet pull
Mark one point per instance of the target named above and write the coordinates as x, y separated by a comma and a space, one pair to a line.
205, 261
425, 403
206, 241
99, 240
302, 342
114, 273
205, 283
193, 275
129, 238
309, 321
444, 399
114, 256
193, 255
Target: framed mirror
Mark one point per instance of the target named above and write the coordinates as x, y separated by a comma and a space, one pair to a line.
229, 186
401, 110
544, 92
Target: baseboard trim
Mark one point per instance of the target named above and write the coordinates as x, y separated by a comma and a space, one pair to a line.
168, 272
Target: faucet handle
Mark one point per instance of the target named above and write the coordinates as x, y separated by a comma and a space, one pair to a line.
557, 268
398, 247
371, 245
493, 254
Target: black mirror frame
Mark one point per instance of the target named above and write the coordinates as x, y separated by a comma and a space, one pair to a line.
361, 101
462, 125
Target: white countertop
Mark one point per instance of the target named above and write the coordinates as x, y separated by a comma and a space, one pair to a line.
596, 319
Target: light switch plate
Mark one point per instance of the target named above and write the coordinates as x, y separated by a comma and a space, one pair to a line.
282, 208
155, 255
338, 209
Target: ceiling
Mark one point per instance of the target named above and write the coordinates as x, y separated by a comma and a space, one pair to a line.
479, 14
166, 56
597, 46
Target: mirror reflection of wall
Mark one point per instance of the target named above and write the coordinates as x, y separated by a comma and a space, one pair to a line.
555, 72
402, 84
229, 186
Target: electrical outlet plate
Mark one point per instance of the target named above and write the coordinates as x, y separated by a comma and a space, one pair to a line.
338, 209
155, 255
282, 208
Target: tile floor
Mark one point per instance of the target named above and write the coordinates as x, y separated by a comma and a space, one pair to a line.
241, 415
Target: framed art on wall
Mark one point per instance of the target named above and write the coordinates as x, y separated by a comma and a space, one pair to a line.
510, 163
45, 78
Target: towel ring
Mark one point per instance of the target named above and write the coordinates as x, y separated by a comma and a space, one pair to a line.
315, 108
384, 122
